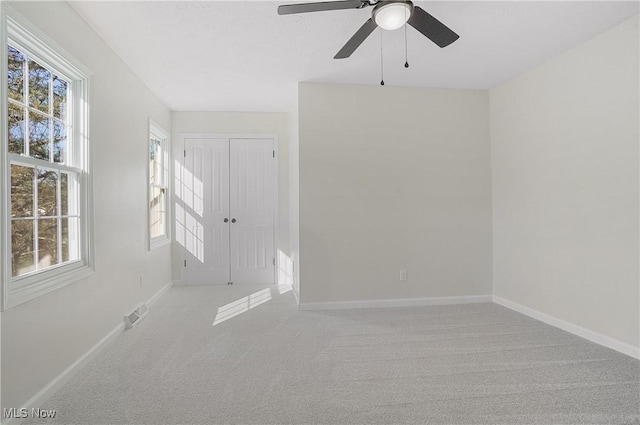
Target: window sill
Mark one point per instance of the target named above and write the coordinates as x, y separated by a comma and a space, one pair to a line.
158, 243
20, 291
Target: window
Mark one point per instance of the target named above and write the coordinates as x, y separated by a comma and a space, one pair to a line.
158, 186
44, 160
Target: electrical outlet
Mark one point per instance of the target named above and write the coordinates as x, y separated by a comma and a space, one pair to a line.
141, 280
403, 275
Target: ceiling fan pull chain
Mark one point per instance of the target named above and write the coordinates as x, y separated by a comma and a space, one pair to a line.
381, 61
406, 60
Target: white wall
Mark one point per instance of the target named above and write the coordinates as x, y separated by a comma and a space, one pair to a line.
43, 337
240, 123
565, 185
393, 178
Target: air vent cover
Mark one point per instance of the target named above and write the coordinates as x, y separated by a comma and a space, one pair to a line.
132, 319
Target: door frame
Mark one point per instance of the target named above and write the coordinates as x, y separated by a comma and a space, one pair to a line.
276, 215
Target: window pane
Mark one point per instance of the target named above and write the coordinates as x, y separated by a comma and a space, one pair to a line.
47, 242
16, 128
59, 98
21, 191
64, 194
59, 141
70, 245
39, 81
155, 152
22, 258
157, 212
47, 197
15, 74
39, 136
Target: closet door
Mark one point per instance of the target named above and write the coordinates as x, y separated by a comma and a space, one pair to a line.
252, 204
203, 207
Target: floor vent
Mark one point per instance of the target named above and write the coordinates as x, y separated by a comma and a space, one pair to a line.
132, 319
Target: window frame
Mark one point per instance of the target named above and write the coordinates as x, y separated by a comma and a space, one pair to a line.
158, 133
24, 36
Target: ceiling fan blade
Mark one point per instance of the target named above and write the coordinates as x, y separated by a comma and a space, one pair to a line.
356, 40
288, 9
431, 28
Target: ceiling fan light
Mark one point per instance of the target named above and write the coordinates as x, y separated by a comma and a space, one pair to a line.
392, 16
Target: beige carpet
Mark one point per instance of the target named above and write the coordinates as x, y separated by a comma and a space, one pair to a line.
264, 362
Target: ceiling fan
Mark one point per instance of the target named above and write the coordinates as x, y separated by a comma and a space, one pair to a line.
386, 14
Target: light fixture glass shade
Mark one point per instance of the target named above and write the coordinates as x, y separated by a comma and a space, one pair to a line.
392, 16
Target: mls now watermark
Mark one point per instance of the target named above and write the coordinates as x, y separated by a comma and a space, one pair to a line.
14, 412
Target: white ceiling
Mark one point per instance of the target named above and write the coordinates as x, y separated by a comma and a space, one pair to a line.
243, 56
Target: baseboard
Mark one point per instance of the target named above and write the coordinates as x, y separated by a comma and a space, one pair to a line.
43, 395
159, 294
585, 333
390, 303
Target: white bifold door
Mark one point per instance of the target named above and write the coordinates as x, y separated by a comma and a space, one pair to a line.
226, 201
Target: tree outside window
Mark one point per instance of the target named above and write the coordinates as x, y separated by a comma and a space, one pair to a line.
44, 188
